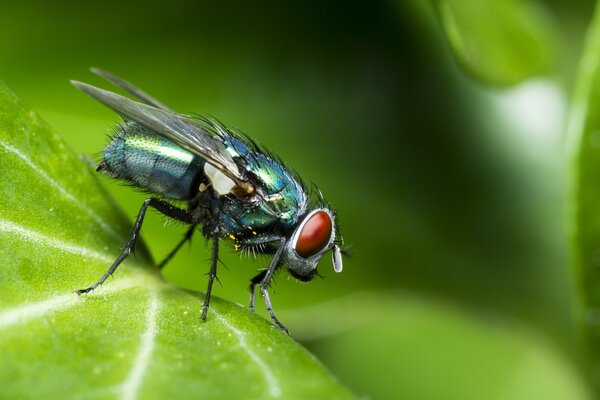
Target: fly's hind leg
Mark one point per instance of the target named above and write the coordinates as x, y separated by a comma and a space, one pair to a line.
186, 238
164, 208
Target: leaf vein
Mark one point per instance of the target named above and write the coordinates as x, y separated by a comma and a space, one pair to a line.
47, 241
64, 192
134, 380
27, 312
271, 381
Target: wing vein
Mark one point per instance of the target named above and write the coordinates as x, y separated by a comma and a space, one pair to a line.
173, 126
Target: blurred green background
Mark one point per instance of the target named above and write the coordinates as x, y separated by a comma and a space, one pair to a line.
449, 188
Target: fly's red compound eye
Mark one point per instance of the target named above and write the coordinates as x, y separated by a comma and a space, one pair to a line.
315, 234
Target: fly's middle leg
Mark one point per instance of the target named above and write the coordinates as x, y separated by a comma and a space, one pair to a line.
212, 274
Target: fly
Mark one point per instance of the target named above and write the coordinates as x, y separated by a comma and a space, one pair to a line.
232, 189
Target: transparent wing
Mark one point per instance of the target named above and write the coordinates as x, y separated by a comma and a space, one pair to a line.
129, 88
174, 127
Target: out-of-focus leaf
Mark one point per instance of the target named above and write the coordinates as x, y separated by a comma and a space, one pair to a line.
414, 348
136, 337
584, 205
499, 42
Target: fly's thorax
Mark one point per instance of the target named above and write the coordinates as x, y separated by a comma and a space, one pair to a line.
275, 204
152, 163
282, 195
244, 220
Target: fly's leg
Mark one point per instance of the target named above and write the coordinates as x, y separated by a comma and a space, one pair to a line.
212, 274
187, 237
163, 207
267, 281
253, 282
263, 240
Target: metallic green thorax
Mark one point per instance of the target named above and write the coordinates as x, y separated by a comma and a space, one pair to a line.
285, 198
152, 162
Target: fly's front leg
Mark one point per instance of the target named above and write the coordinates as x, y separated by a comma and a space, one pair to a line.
253, 282
163, 207
264, 240
212, 274
267, 281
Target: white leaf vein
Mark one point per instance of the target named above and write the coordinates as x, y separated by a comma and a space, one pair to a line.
64, 192
48, 241
133, 383
270, 380
26, 312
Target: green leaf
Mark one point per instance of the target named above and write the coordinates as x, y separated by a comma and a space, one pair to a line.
500, 42
584, 199
135, 337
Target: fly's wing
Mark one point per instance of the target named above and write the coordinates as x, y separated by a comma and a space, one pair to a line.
174, 127
129, 88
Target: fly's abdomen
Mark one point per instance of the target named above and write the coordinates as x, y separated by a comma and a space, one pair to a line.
151, 162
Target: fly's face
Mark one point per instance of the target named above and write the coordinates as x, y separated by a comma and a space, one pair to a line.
313, 237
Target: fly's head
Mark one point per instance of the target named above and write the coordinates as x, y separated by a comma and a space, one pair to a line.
315, 235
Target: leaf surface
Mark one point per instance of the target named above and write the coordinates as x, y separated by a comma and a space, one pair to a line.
584, 205
500, 42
